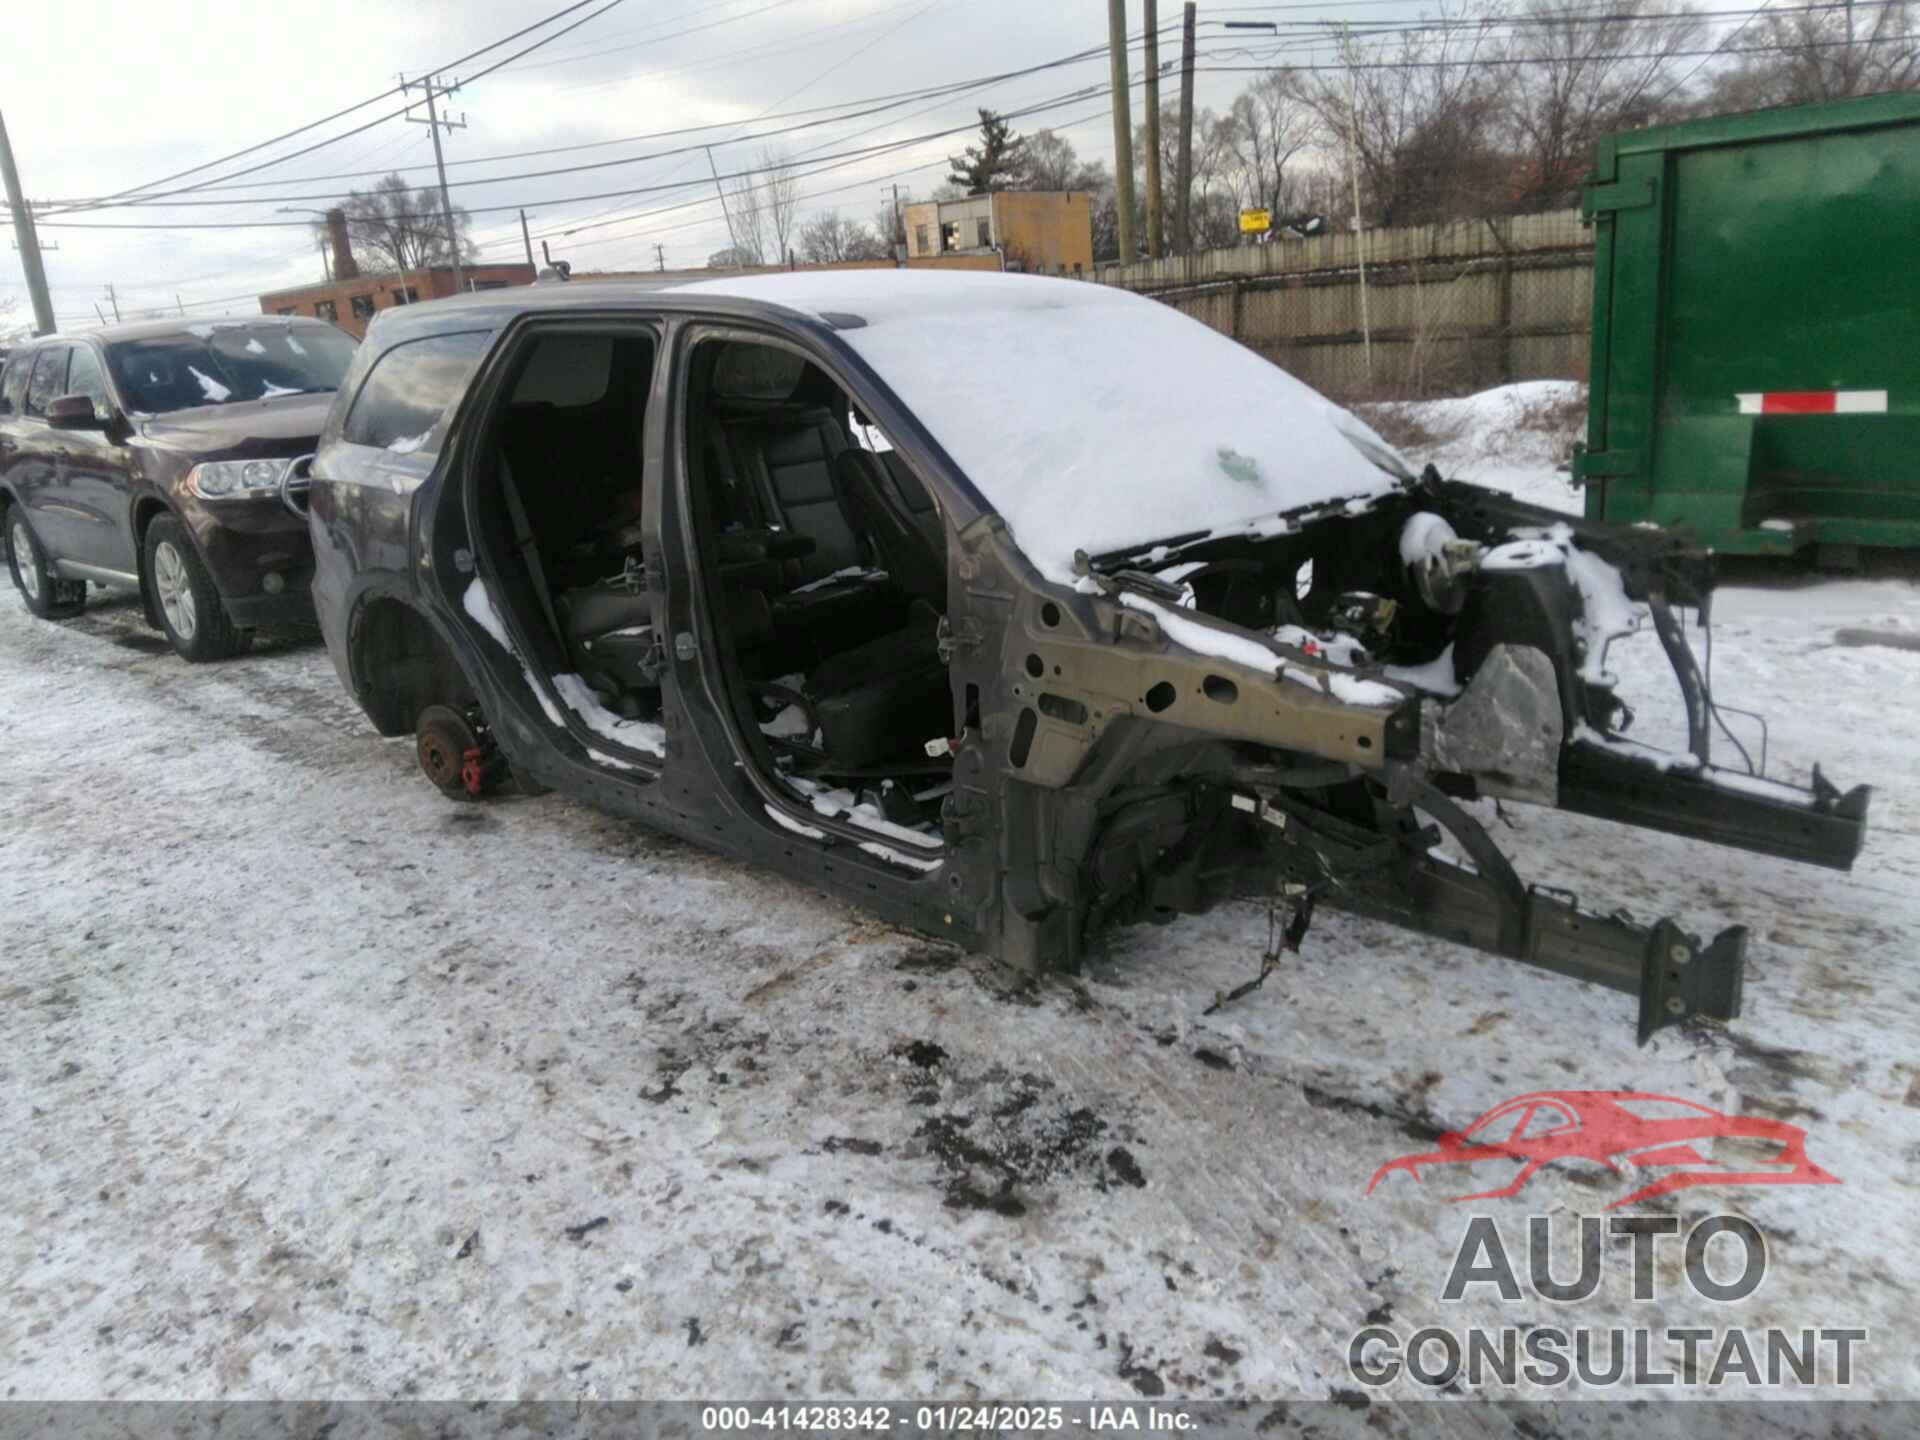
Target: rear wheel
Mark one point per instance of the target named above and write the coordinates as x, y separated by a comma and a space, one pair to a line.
46, 595
443, 741
190, 608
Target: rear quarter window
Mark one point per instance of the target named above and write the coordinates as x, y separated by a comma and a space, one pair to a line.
13, 384
49, 376
410, 390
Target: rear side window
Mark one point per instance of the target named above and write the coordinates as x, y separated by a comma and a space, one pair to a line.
410, 388
49, 378
84, 377
13, 385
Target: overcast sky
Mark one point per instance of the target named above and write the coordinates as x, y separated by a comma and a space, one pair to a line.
110, 95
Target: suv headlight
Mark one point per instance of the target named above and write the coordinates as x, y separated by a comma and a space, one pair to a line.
230, 479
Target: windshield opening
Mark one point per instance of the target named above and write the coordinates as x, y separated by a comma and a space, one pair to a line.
230, 364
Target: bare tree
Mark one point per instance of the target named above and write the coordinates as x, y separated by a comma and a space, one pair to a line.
1049, 162
748, 220
1422, 121
1803, 55
780, 199
1214, 212
394, 227
830, 237
1271, 125
1583, 79
889, 224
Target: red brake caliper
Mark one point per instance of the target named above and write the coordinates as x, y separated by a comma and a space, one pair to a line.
473, 770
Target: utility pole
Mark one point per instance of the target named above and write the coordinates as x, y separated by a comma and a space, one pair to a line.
25, 238
435, 124
732, 239
114, 301
897, 241
179, 304
1151, 18
660, 257
1183, 170
526, 238
1122, 124
1353, 165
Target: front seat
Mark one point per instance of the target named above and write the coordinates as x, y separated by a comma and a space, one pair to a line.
885, 699
878, 494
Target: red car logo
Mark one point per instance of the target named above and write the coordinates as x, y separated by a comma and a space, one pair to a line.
1622, 1130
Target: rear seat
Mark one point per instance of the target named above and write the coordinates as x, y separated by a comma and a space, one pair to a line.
782, 457
787, 456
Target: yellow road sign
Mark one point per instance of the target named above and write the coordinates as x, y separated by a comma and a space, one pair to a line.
1255, 222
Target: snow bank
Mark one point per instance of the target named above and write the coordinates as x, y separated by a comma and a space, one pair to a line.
1518, 438
1091, 419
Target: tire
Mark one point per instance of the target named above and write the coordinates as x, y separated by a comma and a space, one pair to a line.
46, 596
189, 605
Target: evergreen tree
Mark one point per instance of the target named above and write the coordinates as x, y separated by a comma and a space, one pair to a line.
996, 162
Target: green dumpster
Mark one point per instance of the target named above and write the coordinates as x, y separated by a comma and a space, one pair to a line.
1756, 328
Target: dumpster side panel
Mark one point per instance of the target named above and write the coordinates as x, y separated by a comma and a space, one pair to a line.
1788, 273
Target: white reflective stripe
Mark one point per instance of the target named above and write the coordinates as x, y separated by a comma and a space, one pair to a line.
1845, 402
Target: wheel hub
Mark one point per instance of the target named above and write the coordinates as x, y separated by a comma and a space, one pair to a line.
23, 565
176, 593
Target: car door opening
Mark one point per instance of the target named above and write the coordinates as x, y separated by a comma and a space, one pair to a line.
823, 564
557, 507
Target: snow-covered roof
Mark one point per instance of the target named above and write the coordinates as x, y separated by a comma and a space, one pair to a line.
1090, 418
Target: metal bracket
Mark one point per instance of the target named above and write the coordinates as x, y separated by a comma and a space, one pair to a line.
951, 639
1679, 978
1625, 195
1607, 464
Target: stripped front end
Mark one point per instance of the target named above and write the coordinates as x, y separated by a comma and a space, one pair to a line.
1295, 712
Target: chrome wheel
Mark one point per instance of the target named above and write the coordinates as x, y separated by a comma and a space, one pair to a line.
176, 593
23, 565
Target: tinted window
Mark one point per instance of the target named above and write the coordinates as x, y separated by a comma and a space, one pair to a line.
49, 375
227, 364
84, 378
13, 385
410, 388
566, 370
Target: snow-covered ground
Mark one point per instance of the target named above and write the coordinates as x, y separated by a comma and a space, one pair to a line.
1518, 438
316, 1084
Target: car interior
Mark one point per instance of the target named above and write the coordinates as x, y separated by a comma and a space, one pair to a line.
823, 555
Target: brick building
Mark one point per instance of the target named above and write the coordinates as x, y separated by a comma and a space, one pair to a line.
350, 298
1043, 232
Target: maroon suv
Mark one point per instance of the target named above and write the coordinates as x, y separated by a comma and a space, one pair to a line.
150, 457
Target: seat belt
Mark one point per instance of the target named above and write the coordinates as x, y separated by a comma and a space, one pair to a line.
529, 552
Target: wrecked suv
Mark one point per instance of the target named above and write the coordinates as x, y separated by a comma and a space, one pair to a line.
1014, 609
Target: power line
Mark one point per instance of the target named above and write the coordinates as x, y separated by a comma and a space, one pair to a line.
848, 155
358, 129
872, 106
601, 52
361, 105
1734, 35
946, 133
